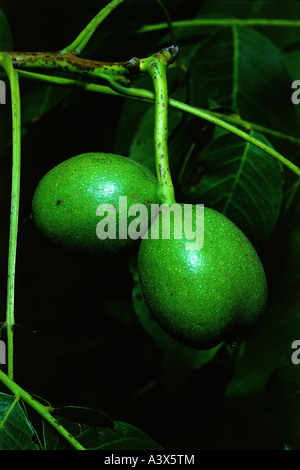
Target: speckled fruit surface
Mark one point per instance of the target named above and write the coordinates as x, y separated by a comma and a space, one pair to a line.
65, 202
207, 296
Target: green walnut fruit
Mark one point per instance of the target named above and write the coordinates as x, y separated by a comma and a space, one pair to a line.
73, 199
205, 296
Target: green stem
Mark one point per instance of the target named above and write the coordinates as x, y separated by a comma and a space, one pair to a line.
5, 62
67, 82
156, 67
219, 122
221, 22
41, 409
251, 126
215, 118
138, 95
77, 46
69, 63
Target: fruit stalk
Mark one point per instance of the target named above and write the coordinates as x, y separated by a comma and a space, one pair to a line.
156, 67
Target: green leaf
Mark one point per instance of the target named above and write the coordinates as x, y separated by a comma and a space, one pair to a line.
39, 100
243, 70
127, 128
240, 9
135, 132
292, 60
85, 415
282, 398
188, 38
288, 9
181, 144
123, 436
142, 146
16, 432
260, 355
241, 181
36, 102
6, 43
278, 326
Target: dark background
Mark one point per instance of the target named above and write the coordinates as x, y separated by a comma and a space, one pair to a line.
77, 340
69, 349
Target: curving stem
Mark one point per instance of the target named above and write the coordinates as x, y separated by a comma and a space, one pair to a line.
77, 46
156, 67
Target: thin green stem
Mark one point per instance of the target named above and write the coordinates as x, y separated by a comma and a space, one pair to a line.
229, 127
131, 92
169, 22
215, 118
156, 67
221, 22
5, 62
77, 46
251, 126
210, 117
41, 409
178, 63
67, 82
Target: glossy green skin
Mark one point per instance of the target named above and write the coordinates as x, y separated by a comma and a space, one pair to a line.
66, 199
207, 296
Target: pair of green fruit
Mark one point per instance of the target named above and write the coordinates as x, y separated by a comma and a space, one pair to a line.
200, 297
